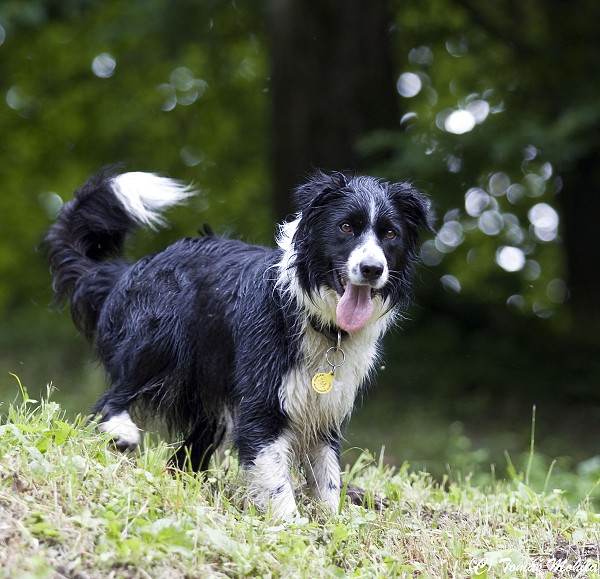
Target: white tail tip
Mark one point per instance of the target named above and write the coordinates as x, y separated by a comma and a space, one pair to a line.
145, 195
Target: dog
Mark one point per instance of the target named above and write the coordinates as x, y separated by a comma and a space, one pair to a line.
266, 348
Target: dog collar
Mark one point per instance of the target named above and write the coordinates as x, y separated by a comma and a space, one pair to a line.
330, 331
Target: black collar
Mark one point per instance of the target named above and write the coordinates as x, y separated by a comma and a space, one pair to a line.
329, 331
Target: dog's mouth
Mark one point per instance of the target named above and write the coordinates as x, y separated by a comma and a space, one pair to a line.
355, 305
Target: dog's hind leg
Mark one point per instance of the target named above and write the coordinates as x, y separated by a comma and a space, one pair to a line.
199, 446
322, 466
115, 420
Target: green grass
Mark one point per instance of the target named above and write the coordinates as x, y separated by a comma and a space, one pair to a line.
71, 507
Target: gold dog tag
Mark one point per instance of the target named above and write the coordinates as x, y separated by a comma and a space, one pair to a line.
322, 382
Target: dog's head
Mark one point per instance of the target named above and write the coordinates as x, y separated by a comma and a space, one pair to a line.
354, 244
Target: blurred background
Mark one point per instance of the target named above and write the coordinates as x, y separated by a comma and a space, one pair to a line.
491, 108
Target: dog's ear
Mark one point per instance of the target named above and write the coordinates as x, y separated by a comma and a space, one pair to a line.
318, 187
414, 207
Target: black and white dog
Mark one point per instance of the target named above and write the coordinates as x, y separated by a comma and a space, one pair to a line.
267, 348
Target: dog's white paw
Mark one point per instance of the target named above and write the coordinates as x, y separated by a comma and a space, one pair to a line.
125, 434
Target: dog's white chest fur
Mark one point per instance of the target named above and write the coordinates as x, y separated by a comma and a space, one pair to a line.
312, 413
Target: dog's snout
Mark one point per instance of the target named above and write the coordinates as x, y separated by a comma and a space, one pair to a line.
371, 270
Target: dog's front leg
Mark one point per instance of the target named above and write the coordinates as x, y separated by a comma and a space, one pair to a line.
268, 477
323, 474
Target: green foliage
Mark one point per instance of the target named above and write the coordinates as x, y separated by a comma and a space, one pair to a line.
78, 508
182, 88
492, 128
91, 83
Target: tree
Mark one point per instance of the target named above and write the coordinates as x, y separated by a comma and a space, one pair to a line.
332, 82
528, 76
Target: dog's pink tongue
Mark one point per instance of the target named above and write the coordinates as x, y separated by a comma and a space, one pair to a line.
354, 308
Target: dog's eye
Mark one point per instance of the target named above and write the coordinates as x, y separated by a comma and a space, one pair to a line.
346, 227
390, 234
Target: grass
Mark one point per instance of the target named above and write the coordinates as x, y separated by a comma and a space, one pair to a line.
71, 507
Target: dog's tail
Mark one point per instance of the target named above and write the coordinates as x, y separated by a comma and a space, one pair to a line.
93, 227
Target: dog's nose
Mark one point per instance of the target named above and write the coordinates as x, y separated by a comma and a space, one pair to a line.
371, 270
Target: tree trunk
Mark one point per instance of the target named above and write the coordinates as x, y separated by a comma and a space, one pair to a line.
581, 216
332, 81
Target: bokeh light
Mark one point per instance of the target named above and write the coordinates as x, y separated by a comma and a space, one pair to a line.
490, 222
541, 309
408, 120
536, 185
451, 283
532, 270
183, 88
458, 46
191, 156
449, 236
510, 258
476, 201
515, 193
182, 78
409, 84
480, 109
517, 232
16, 98
516, 301
104, 65
421, 55
169, 96
499, 184
512, 229
429, 254
544, 221
459, 122
51, 203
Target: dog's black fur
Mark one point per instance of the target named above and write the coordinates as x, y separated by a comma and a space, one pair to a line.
222, 338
